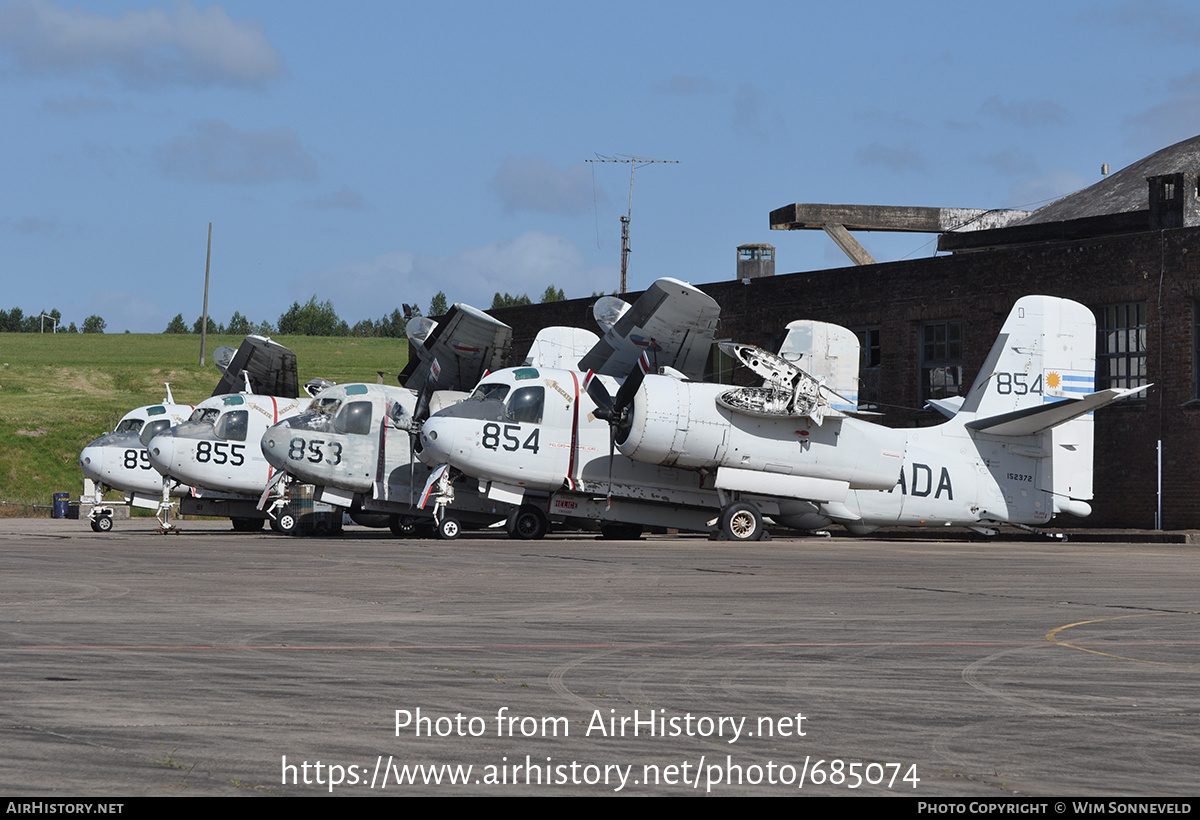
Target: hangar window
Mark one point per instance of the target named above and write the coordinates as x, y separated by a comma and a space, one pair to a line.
1121, 346
941, 360
870, 394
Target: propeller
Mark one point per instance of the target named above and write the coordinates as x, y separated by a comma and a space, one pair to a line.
419, 415
616, 411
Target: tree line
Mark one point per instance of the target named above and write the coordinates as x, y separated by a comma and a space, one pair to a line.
15, 321
316, 318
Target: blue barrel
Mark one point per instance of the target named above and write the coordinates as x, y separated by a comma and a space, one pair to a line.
61, 502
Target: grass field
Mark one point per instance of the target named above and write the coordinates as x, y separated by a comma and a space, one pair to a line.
60, 391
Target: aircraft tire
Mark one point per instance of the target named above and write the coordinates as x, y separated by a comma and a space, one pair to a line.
528, 523
742, 522
287, 523
621, 532
448, 528
403, 526
247, 524
102, 523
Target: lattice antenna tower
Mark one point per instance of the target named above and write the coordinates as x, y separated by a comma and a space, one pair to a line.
634, 164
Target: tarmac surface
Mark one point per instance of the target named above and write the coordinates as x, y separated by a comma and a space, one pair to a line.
222, 663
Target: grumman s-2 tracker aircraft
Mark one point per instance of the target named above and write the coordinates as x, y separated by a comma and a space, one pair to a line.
536, 439
354, 443
360, 451
1017, 450
120, 460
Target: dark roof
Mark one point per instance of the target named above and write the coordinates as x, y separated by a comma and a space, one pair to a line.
1124, 191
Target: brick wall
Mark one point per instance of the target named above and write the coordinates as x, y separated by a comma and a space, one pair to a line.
1160, 269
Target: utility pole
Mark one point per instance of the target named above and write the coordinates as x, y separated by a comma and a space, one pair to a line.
204, 318
634, 162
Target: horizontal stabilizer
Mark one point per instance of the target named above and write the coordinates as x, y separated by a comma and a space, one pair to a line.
1036, 419
948, 406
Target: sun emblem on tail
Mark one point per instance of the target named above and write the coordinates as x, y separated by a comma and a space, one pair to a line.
1053, 380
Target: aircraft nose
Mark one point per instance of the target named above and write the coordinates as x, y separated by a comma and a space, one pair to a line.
275, 446
91, 461
162, 452
436, 438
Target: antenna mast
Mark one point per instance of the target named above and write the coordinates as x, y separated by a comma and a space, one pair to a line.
634, 162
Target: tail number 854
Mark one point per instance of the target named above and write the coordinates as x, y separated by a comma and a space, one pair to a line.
511, 442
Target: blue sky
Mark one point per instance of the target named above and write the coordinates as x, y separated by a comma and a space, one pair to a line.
373, 153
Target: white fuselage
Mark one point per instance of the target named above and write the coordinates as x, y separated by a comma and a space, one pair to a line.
219, 448
121, 460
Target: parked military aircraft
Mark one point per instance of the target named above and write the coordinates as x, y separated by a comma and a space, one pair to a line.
360, 452
537, 441
120, 460
216, 454
354, 444
1017, 450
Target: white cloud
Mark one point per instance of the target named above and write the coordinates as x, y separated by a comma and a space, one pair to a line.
1030, 194
218, 152
122, 310
682, 85
1176, 118
345, 198
895, 158
526, 264
1012, 161
532, 184
151, 48
1026, 113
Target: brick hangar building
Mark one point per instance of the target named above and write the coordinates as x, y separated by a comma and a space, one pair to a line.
1128, 247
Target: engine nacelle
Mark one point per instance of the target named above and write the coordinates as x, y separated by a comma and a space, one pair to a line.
680, 424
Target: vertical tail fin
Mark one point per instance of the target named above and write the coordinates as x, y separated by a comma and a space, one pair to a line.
1046, 351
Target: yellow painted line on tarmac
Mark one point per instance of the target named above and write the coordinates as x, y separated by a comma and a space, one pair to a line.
1053, 637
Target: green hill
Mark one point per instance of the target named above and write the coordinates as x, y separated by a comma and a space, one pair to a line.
60, 391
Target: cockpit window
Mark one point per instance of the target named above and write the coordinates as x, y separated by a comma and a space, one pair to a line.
153, 429
526, 405
232, 426
324, 405
205, 414
494, 390
129, 426
354, 418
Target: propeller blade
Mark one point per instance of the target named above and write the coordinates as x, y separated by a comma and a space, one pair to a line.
599, 394
632, 382
421, 411
612, 449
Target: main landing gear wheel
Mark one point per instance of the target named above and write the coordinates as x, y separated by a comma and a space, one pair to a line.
403, 526
286, 523
742, 522
448, 528
102, 523
527, 523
